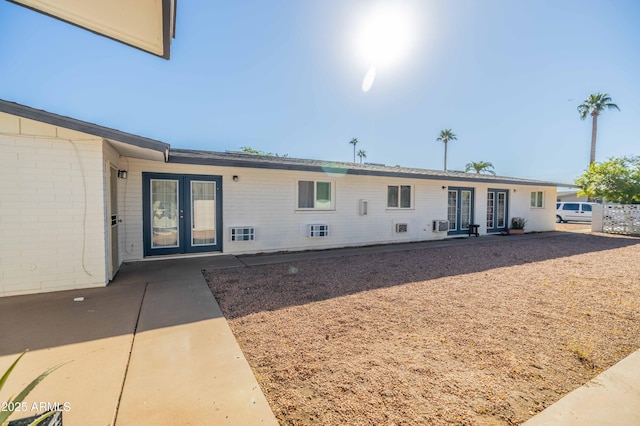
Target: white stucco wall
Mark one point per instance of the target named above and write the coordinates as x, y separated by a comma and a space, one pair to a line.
51, 208
538, 219
266, 200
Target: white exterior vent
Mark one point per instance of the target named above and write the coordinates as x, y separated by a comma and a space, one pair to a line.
242, 233
318, 231
440, 225
364, 207
401, 228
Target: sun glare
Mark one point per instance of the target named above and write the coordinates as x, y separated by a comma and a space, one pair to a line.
385, 35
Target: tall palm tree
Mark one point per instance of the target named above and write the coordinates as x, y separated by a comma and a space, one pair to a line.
594, 105
480, 167
445, 136
354, 142
362, 154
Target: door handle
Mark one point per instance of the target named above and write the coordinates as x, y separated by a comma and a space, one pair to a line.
181, 214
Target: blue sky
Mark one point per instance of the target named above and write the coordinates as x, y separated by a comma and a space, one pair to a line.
285, 77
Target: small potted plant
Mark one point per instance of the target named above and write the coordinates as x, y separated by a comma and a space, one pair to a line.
517, 225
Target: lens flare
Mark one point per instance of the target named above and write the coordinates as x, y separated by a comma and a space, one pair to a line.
368, 80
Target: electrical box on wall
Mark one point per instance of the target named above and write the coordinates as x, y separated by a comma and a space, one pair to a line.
364, 207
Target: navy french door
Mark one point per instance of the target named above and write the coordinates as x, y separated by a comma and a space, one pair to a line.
460, 209
181, 213
497, 209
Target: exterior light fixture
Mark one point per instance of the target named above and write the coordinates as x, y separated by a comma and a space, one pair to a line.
235, 178
122, 174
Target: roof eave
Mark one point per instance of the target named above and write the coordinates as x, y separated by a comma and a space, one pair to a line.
83, 126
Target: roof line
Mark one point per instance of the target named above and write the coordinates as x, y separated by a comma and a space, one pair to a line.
83, 126
349, 171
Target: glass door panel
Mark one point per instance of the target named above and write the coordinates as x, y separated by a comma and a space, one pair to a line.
465, 210
452, 210
490, 211
203, 213
501, 215
164, 213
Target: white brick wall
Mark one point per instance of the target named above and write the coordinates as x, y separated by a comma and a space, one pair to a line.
53, 212
51, 209
266, 199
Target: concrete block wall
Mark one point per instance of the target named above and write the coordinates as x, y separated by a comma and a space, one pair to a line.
266, 199
51, 208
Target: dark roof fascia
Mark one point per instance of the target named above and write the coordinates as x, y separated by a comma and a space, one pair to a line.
82, 126
166, 27
338, 169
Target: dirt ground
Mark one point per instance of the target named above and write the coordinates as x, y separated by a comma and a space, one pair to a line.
488, 333
574, 226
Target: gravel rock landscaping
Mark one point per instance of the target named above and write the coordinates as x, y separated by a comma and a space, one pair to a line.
487, 333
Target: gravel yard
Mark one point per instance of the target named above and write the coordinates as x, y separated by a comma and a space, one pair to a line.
487, 333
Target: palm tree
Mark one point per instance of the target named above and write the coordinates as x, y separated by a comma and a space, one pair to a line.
594, 105
446, 135
480, 167
354, 142
362, 154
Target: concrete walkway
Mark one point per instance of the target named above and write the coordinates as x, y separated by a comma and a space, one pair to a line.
153, 348
612, 398
150, 349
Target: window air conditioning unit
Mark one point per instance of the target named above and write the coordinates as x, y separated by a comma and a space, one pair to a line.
440, 225
318, 231
242, 233
401, 227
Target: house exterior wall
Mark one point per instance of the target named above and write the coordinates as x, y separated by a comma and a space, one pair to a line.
539, 219
51, 209
266, 199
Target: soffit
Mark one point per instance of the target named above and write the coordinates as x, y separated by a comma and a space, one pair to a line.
145, 24
133, 151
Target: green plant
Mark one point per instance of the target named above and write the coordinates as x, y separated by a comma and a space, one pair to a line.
594, 105
480, 167
518, 223
617, 179
12, 404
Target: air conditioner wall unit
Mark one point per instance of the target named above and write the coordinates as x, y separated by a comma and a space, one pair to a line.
401, 227
318, 230
440, 225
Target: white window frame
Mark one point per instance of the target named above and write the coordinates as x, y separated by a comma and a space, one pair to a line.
537, 199
315, 192
411, 201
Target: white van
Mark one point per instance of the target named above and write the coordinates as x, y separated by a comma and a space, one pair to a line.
573, 211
